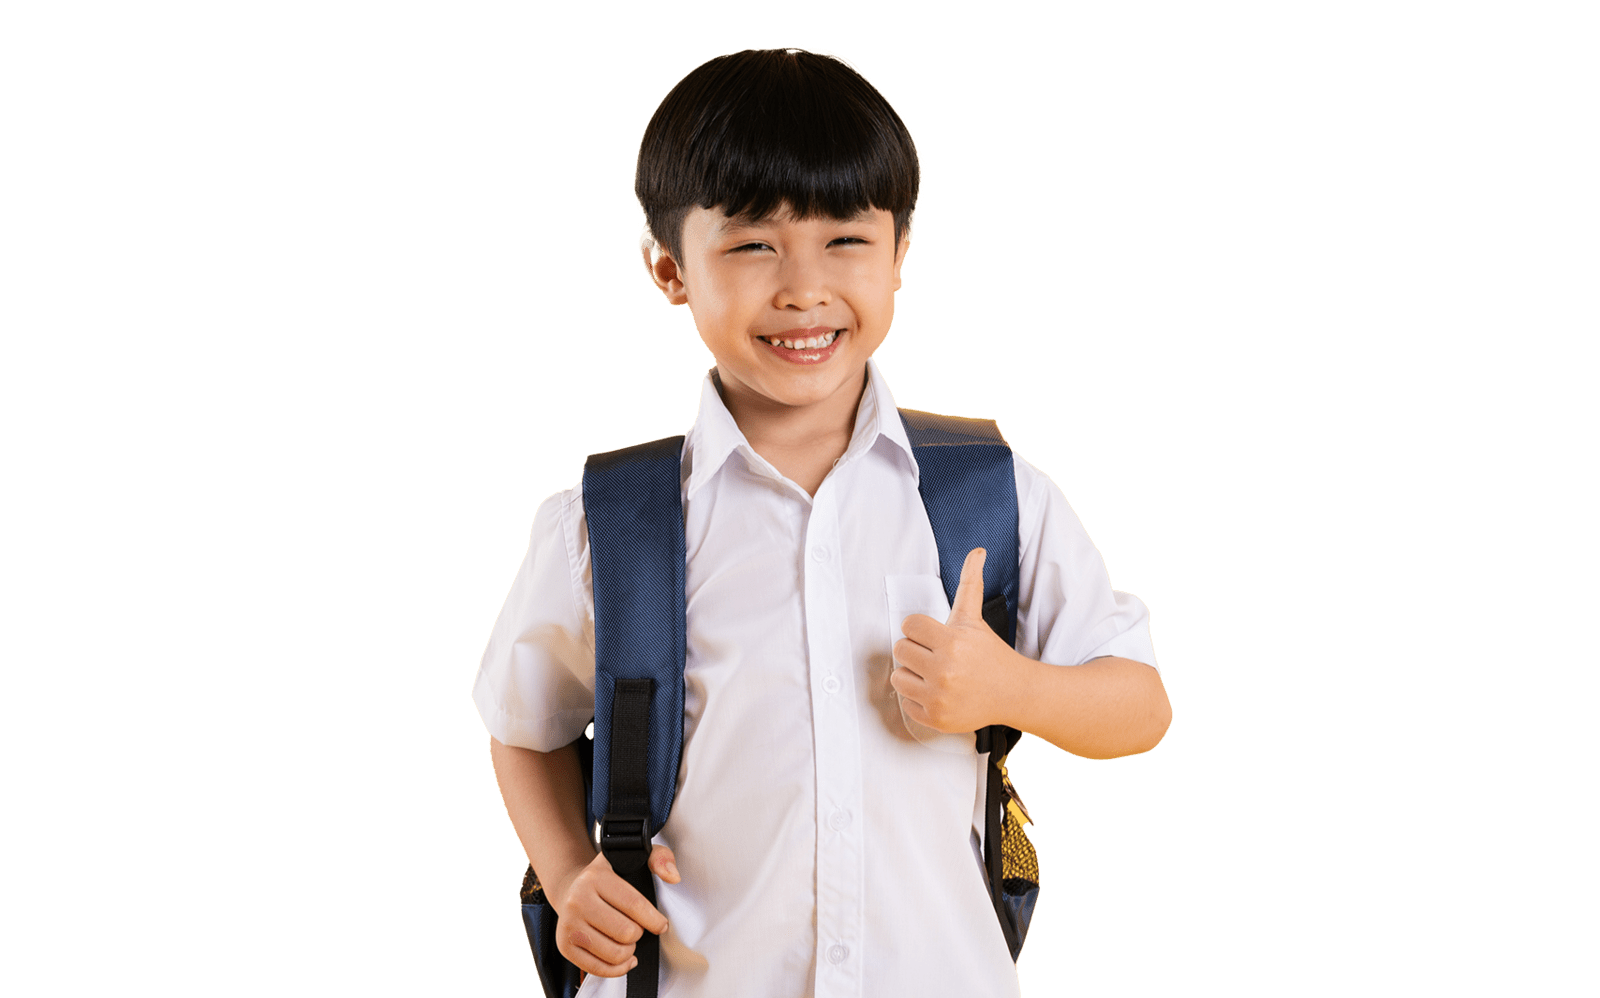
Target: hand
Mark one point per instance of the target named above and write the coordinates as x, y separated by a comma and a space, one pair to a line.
957, 674
602, 915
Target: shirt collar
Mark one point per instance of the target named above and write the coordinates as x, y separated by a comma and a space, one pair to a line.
716, 436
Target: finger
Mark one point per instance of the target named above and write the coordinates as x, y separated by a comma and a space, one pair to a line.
664, 865
908, 684
915, 711
589, 963
599, 968
621, 895
600, 945
617, 926
911, 655
968, 605
922, 629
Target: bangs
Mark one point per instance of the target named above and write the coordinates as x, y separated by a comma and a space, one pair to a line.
758, 131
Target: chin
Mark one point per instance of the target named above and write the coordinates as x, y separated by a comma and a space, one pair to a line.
817, 390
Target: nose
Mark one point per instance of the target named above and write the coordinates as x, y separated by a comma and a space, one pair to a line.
802, 283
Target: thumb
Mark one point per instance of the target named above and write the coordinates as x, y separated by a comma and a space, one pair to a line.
663, 864
968, 605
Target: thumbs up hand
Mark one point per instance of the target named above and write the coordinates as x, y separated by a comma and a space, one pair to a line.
958, 675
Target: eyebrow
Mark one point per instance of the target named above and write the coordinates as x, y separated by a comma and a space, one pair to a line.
739, 223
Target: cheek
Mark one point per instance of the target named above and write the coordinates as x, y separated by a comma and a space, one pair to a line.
720, 296
877, 300
875, 285
719, 316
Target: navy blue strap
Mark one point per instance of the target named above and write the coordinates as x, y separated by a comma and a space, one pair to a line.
968, 483
633, 504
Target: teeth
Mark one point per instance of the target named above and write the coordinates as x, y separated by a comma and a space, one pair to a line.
809, 344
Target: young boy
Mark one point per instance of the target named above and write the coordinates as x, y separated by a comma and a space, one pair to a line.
825, 834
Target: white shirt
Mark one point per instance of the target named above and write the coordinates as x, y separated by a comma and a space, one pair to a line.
825, 847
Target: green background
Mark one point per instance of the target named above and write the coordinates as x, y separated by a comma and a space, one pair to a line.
308, 306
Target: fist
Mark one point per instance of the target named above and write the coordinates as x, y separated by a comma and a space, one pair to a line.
602, 915
954, 674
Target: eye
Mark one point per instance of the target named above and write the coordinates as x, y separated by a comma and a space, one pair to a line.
848, 241
750, 248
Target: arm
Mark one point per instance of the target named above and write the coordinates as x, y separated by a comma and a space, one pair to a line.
959, 676
1102, 709
543, 792
601, 915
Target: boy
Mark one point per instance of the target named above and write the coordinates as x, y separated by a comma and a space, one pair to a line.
824, 836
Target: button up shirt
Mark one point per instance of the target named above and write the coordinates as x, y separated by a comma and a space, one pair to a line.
827, 846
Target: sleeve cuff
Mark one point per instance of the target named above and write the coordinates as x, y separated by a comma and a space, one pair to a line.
1125, 635
541, 735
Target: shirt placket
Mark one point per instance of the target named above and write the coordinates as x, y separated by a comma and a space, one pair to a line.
840, 852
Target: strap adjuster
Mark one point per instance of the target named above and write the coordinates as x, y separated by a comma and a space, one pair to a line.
625, 842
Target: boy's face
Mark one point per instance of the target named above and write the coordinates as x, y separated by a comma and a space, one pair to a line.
824, 285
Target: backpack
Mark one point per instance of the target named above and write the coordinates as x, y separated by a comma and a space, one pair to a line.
633, 504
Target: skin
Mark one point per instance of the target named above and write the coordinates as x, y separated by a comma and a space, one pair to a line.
602, 915
747, 280
959, 676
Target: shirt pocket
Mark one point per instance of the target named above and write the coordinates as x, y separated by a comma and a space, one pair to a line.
924, 594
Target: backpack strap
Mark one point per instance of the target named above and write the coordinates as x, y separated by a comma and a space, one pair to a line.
633, 502
968, 484
967, 478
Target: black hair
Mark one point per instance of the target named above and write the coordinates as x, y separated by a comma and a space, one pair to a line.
760, 129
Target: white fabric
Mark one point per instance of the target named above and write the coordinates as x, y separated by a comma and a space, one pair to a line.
824, 848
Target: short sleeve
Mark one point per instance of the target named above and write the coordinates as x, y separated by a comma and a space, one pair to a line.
535, 686
1067, 612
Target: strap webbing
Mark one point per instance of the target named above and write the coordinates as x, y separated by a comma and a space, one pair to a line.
630, 748
625, 830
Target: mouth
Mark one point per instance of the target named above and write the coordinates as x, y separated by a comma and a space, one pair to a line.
804, 346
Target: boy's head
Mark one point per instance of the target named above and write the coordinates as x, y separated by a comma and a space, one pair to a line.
761, 130
779, 185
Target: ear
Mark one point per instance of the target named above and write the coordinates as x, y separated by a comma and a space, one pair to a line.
664, 272
900, 256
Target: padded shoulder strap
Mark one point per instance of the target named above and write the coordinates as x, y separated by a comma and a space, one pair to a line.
969, 486
633, 502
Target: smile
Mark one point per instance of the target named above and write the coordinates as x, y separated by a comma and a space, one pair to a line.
812, 343
804, 350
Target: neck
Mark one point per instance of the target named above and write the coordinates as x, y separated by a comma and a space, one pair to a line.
802, 442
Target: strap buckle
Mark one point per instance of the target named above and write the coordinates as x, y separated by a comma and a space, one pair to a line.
625, 842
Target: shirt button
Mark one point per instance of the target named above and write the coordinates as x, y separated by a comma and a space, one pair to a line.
837, 953
820, 552
831, 685
839, 819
